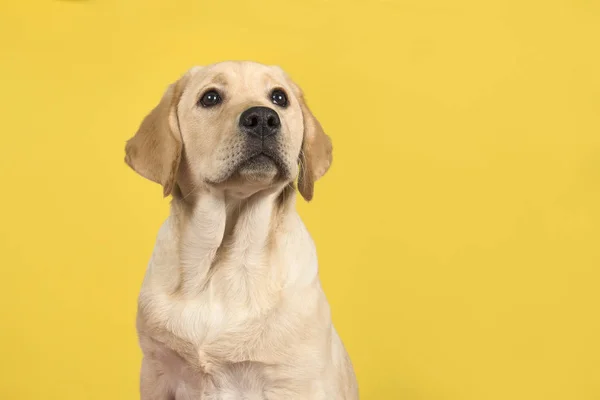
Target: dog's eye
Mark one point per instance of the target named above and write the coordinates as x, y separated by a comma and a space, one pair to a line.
210, 98
279, 98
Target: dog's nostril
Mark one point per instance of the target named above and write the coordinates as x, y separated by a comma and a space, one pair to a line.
272, 122
251, 121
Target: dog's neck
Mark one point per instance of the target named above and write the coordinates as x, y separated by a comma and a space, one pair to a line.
211, 221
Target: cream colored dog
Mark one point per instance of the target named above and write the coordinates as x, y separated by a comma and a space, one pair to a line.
231, 306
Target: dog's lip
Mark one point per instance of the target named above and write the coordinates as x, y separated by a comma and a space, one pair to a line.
263, 153
272, 156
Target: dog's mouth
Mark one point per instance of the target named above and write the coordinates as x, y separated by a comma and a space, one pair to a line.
261, 165
262, 160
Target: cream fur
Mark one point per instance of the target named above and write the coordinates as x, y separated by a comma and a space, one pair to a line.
231, 306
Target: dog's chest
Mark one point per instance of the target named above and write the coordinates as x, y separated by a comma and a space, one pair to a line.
253, 308
243, 306
229, 342
244, 380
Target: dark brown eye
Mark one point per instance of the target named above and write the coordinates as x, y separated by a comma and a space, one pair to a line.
210, 99
279, 98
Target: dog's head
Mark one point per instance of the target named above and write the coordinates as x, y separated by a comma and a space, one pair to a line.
239, 126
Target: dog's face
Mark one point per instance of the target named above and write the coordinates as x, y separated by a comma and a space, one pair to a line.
241, 126
238, 126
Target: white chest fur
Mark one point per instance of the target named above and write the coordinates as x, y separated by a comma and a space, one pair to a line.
226, 304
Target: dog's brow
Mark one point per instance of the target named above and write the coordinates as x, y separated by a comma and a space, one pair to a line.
219, 79
270, 81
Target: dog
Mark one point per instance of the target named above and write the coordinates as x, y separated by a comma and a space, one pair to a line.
231, 306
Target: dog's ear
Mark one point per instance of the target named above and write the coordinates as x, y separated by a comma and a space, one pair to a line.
316, 154
154, 151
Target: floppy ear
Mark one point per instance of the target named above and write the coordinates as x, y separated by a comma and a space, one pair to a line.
316, 154
155, 150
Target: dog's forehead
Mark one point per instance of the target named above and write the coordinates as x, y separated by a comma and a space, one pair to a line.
241, 75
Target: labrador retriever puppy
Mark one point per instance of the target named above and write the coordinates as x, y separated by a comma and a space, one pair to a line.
231, 307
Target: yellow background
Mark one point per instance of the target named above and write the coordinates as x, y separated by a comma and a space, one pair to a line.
458, 230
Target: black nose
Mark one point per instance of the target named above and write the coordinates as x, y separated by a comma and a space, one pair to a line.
260, 122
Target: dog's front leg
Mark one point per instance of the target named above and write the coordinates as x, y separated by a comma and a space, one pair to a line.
153, 384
